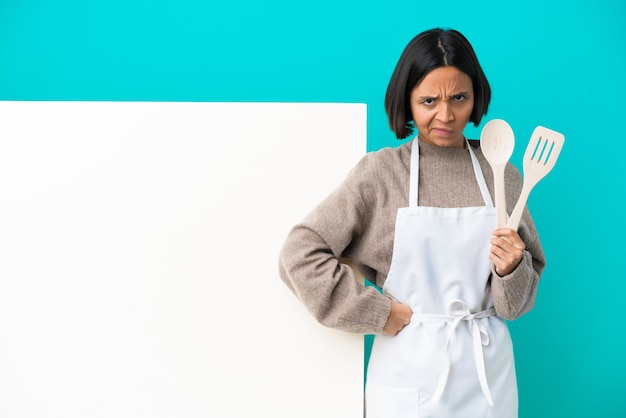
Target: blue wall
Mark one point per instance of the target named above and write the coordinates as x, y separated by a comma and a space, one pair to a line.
559, 64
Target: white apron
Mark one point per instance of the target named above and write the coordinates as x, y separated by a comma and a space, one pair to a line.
455, 358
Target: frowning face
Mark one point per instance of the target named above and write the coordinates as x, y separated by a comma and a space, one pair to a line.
441, 105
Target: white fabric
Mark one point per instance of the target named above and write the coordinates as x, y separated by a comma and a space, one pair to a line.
436, 367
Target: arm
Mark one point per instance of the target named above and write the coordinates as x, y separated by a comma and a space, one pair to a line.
518, 263
310, 266
514, 284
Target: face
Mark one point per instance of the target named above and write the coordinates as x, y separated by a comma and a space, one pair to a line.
442, 104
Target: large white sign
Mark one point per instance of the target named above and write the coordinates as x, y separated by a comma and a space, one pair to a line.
138, 260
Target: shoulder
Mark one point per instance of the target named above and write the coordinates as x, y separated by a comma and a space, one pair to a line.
379, 172
386, 160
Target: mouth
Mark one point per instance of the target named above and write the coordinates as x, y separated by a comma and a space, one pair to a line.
442, 132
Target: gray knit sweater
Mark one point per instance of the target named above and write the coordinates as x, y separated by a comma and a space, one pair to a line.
357, 221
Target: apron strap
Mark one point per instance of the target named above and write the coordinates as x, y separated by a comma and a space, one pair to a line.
461, 312
482, 184
414, 175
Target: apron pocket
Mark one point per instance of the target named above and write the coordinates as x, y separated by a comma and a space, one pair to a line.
387, 402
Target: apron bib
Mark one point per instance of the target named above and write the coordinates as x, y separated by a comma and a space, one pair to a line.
455, 357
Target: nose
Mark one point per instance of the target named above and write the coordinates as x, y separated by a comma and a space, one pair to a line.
444, 113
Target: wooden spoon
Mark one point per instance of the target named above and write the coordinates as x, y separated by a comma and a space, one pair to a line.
497, 142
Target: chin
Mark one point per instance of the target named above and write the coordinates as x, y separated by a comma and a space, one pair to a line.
450, 143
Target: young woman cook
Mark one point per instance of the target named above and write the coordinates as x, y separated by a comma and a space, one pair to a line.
420, 220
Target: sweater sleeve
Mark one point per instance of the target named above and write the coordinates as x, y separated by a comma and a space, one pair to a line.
309, 260
515, 293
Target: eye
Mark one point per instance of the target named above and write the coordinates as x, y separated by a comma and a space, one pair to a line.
459, 98
428, 101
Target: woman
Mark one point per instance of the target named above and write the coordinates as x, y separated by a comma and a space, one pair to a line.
419, 219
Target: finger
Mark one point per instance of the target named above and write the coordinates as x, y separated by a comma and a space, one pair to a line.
494, 260
501, 244
498, 258
399, 326
505, 261
507, 253
508, 245
506, 232
511, 236
502, 266
498, 265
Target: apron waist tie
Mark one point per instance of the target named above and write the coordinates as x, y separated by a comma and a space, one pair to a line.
459, 311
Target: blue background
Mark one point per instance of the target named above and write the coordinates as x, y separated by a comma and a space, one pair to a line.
560, 64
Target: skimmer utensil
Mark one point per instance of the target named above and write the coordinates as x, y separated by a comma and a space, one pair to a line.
541, 153
497, 142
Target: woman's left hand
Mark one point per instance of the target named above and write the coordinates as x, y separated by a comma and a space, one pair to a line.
507, 249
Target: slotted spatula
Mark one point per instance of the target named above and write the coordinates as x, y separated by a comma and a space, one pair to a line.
541, 153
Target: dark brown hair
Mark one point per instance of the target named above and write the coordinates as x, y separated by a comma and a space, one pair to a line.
427, 51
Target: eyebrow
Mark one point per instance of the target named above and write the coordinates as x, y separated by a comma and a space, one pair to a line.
460, 93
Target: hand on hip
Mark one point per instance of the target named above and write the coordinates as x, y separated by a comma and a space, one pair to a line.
399, 317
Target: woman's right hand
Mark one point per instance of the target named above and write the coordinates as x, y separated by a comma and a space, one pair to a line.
399, 317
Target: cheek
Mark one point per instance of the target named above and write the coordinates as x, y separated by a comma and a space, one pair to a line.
419, 114
467, 112
420, 119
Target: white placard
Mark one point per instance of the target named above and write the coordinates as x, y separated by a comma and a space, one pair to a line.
138, 260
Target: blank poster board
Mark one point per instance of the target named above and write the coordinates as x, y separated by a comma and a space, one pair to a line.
138, 260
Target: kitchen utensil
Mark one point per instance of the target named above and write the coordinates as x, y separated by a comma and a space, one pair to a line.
497, 142
541, 153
